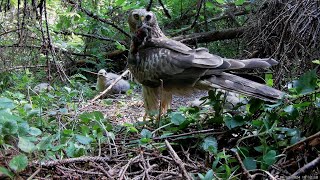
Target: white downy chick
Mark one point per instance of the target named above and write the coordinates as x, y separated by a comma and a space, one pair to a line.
105, 79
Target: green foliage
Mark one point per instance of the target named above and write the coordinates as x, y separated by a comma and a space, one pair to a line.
18, 163
47, 125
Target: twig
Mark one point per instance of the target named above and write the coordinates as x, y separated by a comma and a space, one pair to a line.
70, 160
160, 106
311, 165
102, 169
96, 17
166, 12
21, 67
90, 72
245, 171
178, 161
269, 174
80, 171
124, 169
34, 174
211, 131
111, 85
7, 32
89, 36
148, 8
317, 135
144, 163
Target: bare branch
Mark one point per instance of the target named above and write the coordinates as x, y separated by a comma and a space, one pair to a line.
210, 36
96, 17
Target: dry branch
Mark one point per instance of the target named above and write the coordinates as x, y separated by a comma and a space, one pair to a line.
71, 160
217, 18
178, 161
245, 171
303, 142
210, 36
89, 36
96, 17
124, 169
311, 165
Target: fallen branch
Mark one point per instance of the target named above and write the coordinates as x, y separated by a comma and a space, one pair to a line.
210, 36
178, 161
7, 32
102, 169
34, 174
70, 160
303, 142
80, 171
311, 165
124, 169
217, 18
245, 171
206, 131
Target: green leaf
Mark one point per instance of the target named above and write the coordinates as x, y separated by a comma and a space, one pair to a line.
269, 79
254, 105
250, 163
119, 2
34, 131
6, 172
45, 143
316, 61
26, 145
220, 1
87, 117
232, 122
239, 2
317, 103
18, 163
259, 148
306, 83
145, 133
257, 123
132, 129
209, 175
201, 176
291, 111
9, 127
210, 144
83, 139
177, 118
6, 103
270, 157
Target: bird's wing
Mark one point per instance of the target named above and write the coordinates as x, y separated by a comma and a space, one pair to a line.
183, 55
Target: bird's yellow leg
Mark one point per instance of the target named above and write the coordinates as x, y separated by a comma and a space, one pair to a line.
150, 98
166, 100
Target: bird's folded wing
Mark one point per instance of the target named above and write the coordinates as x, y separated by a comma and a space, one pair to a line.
184, 55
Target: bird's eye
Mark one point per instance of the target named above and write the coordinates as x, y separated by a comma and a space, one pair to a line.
148, 17
136, 16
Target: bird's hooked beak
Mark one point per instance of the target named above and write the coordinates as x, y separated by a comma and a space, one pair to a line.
142, 24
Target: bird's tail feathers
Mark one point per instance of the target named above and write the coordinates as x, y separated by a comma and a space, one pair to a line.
233, 64
240, 85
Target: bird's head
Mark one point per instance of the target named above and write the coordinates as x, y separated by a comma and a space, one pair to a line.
142, 21
102, 73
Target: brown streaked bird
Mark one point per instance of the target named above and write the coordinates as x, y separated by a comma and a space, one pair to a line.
154, 58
